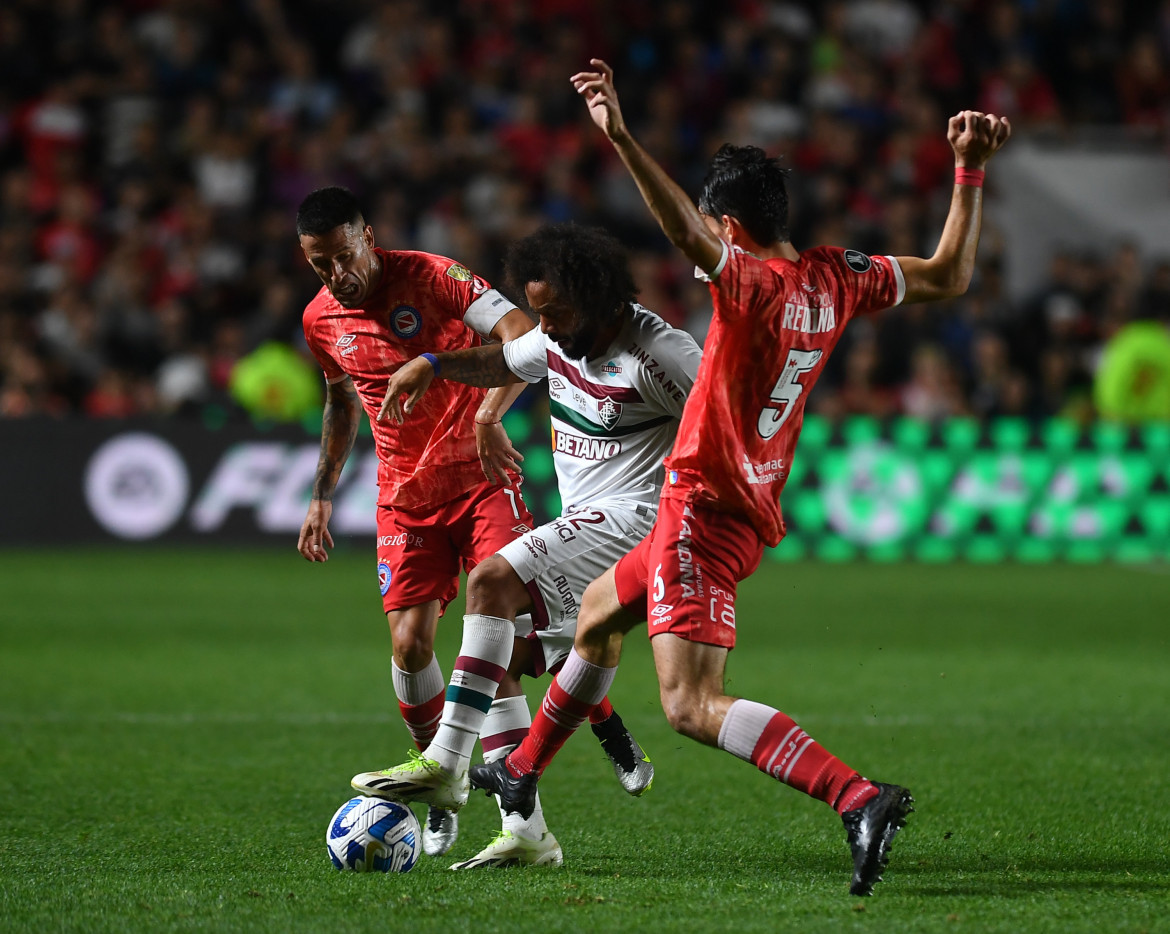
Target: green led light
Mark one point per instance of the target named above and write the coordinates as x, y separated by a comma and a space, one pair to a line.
814, 433
1010, 434
519, 427
538, 465
934, 549
1086, 551
960, 434
1060, 435
806, 509
1035, 551
791, 548
886, 553
985, 549
910, 434
552, 503
858, 429
835, 549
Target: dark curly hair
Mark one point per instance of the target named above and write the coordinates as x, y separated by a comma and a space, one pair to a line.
586, 266
746, 183
326, 208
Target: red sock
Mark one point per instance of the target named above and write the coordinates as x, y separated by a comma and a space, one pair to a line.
790, 755
602, 711
558, 718
423, 720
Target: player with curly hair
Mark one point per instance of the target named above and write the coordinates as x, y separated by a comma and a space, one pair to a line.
618, 376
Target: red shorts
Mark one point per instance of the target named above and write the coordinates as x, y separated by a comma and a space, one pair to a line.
420, 552
682, 575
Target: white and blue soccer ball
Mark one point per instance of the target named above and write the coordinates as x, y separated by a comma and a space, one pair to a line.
372, 835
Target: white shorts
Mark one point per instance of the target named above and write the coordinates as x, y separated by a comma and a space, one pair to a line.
558, 560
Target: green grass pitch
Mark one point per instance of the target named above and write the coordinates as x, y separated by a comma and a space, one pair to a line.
178, 726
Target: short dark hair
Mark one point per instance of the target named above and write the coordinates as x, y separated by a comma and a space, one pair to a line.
326, 208
746, 183
587, 266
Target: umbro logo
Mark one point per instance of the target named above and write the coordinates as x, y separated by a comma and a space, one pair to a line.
346, 344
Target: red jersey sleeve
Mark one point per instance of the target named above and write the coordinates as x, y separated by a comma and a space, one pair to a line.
477, 302
745, 284
313, 339
869, 283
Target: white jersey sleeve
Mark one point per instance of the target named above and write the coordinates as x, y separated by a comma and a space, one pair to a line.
678, 358
527, 356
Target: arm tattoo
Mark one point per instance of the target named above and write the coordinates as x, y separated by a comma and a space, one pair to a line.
339, 427
477, 366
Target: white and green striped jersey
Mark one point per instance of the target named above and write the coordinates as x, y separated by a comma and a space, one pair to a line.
614, 418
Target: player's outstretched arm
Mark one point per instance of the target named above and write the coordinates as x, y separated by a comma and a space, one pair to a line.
975, 137
497, 455
339, 427
474, 366
675, 212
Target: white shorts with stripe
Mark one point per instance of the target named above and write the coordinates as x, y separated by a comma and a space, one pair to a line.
558, 560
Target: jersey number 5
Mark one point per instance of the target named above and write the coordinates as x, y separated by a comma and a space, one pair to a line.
786, 391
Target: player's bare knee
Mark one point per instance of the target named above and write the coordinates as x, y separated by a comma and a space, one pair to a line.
495, 589
412, 649
680, 713
594, 635
688, 714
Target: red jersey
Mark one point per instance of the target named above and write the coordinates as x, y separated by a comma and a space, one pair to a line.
775, 324
422, 303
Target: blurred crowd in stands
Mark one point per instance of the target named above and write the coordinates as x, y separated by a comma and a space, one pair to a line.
153, 153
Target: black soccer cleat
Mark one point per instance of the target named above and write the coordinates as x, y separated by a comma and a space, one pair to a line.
517, 795
871, 830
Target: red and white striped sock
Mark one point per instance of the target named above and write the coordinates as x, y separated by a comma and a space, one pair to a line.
420, 700
777, 746
578, 687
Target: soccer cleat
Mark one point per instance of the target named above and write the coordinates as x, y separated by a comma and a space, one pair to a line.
870, 829
517, 795
440, 831
417, 779
631, 765
509, 850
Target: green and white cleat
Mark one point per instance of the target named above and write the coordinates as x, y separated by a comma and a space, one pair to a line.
417, 779
439, 831
507, 849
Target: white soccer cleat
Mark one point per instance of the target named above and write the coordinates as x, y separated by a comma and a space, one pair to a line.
507, 849
417, 779
440, 831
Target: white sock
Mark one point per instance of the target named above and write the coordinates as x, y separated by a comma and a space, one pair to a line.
743, 725
418, 693
583, 680
503, 730
479, 669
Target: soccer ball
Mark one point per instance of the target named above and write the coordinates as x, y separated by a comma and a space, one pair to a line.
372, 835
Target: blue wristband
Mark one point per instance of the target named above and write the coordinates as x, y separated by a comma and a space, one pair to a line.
433, 361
